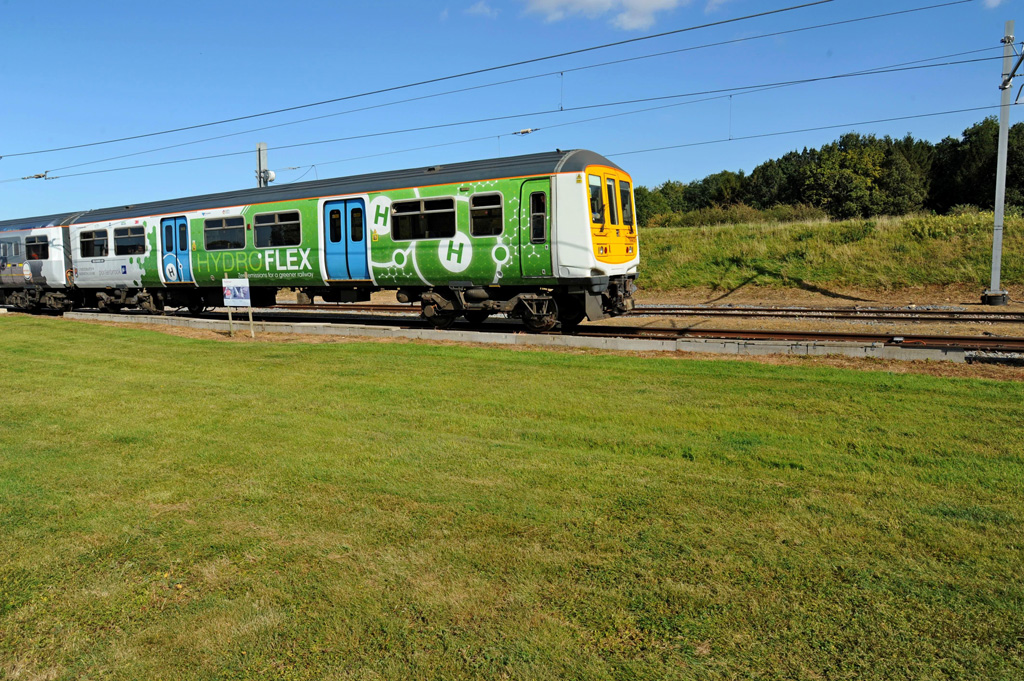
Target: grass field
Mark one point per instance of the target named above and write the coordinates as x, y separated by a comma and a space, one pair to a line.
193, 509
887, 253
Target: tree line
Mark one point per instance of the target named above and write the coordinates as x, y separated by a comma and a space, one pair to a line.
858, 176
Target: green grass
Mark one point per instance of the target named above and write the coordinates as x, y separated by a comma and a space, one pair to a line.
187, 509
886, 253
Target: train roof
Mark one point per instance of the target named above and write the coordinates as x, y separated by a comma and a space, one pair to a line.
575, 160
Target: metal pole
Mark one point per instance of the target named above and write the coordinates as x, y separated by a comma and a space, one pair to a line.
995, 295
261, 164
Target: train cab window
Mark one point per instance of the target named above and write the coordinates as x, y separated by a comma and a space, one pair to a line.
129, 241
94, 244
335, 219
627, 203
538, 217
278, 229
613, 204
485, 215
356, 224
423, 219
596, 203
224, 234
37, 248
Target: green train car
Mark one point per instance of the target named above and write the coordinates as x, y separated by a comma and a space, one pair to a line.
547, 238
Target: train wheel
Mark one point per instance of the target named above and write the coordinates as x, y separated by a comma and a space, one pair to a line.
543, 318
570, 313
195, 308
442, 320
477, 317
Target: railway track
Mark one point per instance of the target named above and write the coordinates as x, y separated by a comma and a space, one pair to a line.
862, 314
994, 343
744, 312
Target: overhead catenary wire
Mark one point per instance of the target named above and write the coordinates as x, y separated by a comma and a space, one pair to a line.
559, 73
735, 89
439, 79
811, 129
630, 113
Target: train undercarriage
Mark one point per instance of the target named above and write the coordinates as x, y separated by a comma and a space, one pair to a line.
540, 309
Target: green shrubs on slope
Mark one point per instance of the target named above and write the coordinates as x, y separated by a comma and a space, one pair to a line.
886, 253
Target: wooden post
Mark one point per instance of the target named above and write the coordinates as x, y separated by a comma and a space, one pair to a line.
231, 326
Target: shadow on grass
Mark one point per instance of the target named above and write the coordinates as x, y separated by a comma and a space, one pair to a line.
777, 276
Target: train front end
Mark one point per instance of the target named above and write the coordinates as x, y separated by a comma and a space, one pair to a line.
597, 235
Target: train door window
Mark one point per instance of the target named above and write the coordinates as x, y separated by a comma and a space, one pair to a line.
17, 249
423, 219
129, 241
596, 204
613, 204
94, 244
183, 235
538, 217
335, 219
169, 238
356, 224
627, 203
278, 229
3, 250
37, 248
224, 234
485, 215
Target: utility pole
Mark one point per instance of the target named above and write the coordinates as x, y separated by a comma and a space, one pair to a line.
996, 295
263, 176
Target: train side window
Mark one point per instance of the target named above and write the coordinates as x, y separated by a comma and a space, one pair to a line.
356, 226
627, 203
485, 215
37, 248
596, 203
94, 244
129, 241
423, 219
335, 219
224, 234
613, 205
538, 217
278, 229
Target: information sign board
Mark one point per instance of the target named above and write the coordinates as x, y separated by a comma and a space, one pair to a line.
236, 293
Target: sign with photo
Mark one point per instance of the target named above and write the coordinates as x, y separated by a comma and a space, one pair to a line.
236, 293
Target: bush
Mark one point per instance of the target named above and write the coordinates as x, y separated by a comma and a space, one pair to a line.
737, 214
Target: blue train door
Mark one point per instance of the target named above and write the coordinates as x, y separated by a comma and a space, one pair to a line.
176, 250
345, 240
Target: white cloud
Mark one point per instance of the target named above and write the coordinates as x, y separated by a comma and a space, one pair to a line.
444, 14
628, 15
483, 9
716, 4
993, 3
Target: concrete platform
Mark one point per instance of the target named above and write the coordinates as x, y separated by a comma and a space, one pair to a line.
716, 346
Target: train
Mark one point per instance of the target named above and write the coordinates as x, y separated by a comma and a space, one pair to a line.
547, 238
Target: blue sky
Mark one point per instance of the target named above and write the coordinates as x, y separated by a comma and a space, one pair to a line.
73, 73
